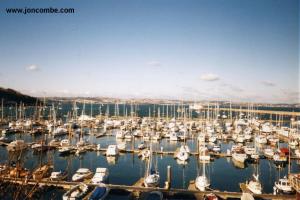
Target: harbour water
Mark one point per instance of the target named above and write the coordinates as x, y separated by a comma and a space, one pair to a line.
127, 168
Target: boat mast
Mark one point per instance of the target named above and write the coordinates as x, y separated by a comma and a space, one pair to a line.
289, 142
167, 112
91, 109
2, 110
81, 125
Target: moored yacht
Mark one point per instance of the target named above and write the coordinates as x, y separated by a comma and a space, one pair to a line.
283, 185
58, 176
81, 174
100, 176
254, 185
268, 152
239, 157
112, 150
202, 183
17, 145
279, 159
42, 172
152, 175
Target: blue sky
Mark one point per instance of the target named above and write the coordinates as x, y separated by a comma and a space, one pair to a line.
240, 50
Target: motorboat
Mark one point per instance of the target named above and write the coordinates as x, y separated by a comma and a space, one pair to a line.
100, 176
112, 150
81, 174
268, 152
216, 148
283, 185
65, 150
58, 176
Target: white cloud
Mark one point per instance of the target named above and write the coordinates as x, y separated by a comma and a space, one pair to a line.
154, 63
32, 68
268, 83
210, 77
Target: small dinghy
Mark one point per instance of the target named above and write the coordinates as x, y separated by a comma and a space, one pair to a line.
99, 193
77, 192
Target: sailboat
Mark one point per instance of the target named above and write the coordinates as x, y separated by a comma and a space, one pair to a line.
81, 141
252, 153
184, 152
254, 185
279, 157
283, 185
65, 144
43, 171
152, 176
202, 182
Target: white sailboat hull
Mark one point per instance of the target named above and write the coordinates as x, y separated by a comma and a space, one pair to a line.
202, 183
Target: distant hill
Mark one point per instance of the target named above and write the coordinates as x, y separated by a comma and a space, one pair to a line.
11, 96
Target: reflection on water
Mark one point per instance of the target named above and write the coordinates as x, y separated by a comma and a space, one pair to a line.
128, 168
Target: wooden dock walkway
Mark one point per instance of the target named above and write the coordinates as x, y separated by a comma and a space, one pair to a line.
237, 195
137, 187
